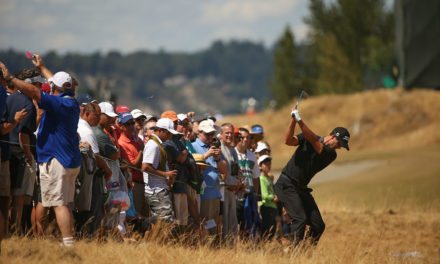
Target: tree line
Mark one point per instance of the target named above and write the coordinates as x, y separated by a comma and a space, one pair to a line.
350, 47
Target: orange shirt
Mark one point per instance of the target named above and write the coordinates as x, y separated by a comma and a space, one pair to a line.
129, 150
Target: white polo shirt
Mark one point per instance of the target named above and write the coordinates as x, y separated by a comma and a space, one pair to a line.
151, 155
86, 133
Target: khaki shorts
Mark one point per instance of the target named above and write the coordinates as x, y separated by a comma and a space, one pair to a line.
57, 183
5, 179
193, 196
181, 208
27, 185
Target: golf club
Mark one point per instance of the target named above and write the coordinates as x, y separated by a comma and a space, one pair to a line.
302, 95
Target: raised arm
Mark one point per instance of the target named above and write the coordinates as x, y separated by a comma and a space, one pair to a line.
291, 139
38, 62
27, 89
309, 135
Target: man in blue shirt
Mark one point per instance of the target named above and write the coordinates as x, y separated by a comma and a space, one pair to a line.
58, 151
216, 171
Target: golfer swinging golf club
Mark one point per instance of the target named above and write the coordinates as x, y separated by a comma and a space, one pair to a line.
312, 155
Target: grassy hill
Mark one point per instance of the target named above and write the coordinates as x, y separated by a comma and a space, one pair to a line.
379, 121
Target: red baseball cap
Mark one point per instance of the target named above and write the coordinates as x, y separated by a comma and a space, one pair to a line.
122, 109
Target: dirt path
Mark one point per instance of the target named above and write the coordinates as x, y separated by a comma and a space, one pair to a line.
336, 172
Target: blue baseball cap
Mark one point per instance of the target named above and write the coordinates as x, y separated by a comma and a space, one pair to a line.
124, 118
257, 129
84, 99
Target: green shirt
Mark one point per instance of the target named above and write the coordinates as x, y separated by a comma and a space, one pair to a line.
267, 192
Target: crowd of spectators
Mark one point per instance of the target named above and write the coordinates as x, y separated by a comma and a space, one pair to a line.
95, 166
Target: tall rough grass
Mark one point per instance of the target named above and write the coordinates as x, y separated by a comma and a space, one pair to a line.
387, 237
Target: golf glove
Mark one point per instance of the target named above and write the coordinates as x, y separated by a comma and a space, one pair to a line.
295, 114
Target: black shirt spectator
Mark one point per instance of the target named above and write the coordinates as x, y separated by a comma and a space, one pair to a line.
15, 103
174, 147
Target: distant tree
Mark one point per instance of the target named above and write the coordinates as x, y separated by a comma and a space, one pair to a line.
353, 43
285, 83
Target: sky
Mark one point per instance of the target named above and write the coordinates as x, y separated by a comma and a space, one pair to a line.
87, 26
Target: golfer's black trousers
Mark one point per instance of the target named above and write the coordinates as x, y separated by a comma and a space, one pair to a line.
302, 209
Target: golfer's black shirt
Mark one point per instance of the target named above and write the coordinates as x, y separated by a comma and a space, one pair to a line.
306, 162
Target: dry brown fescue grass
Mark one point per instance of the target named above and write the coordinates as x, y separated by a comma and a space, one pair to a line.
372, 217
350, 238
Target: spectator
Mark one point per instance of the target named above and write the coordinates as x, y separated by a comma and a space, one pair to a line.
210, 197
177, 157
230, 223
262, 148
106, 120
268, 202
139, 120
5, 127
131, 152
120, 109
57, 153
90, 116
108, 148
194, 180
247, 211
157, 176
257, 134
22, 162
150, 122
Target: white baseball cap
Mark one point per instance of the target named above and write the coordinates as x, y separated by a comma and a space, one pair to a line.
207, 126
107, 108
263, 158
166, 123
60, 79
182, 117
261, 146
137, 113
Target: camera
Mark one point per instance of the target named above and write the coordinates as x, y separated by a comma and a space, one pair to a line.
215, 143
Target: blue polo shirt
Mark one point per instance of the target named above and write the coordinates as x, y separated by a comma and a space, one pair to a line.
57, 136
210, 174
